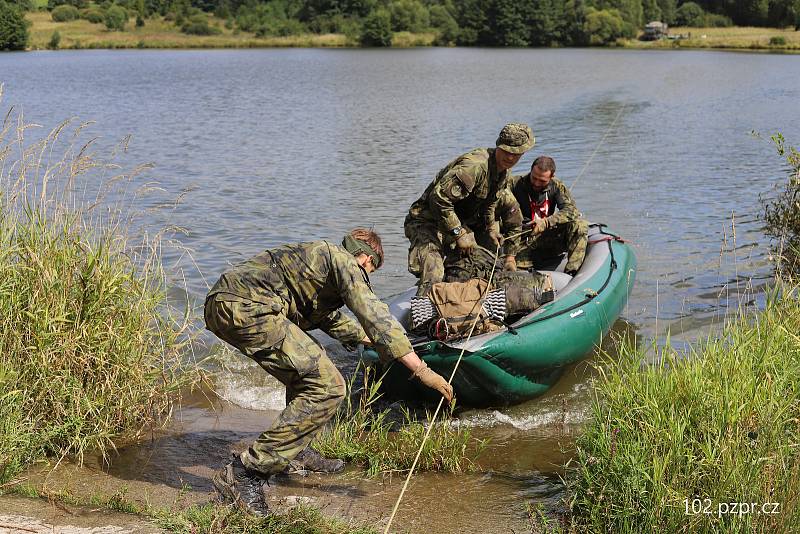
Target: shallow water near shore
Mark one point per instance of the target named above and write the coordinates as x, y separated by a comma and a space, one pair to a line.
273, 146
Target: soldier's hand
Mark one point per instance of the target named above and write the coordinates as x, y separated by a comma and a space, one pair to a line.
539, 226
510, 263
434, 380
495, 235
466, 242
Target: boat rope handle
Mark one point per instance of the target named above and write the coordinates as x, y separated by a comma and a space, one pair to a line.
441, 399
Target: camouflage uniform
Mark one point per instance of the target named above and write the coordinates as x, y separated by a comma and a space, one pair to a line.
567, 232
263, 308
463, 194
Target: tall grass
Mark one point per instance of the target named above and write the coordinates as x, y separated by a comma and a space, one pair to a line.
364, 434
88, 340
672, 447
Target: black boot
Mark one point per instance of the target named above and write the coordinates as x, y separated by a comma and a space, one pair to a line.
311, 460
242, 487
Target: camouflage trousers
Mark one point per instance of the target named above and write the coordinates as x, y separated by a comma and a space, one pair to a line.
314, 386
546, 248
425, 253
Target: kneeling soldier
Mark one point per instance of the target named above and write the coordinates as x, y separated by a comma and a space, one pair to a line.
263, 307
539, 193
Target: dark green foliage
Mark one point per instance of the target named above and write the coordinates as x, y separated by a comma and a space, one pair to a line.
278, 17
55, 40
778, 40
13, 27
509, 22
377, 29
409, 15
197, 24
443, 21
116, 17
80, 4
139, 21
782, 214
651, 11
667, 8
630, 11
95, 15
718, 21
604, 26
690, 14
65, 13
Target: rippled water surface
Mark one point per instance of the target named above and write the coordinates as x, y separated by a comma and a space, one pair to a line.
286, 145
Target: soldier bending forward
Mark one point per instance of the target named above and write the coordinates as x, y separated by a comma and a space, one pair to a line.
264, 307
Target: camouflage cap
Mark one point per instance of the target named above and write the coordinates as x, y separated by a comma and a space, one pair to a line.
515, 138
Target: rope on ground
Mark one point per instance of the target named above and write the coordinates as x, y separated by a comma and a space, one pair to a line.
608, 131
441, 400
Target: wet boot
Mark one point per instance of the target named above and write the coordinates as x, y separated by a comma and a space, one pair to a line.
522, 300
243, 487
311, 460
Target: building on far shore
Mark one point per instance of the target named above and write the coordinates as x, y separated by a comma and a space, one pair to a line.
655, 30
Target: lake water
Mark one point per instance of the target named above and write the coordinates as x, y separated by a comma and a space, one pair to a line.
276, 146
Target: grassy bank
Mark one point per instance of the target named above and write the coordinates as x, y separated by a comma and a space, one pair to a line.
208, 518
707, 442
88, 339
160, 33
364, 435
741, 38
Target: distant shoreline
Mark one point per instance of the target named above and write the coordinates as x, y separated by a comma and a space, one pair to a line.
162, 34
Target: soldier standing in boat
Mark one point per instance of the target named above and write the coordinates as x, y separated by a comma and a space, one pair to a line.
264, 307
556, 224
461, 200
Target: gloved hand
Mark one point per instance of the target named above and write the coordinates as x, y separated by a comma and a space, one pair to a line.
495, 234
434, 380
510, 263
539, 225
466, 242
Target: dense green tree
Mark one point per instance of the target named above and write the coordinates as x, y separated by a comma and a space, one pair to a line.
116, 17
509, 23
377, 29
473, 17
547, 20
13, 27
65, 13
604, 26
443, 21
409, 15
650, 11
629, 10
690, 14
667, 9
80, 4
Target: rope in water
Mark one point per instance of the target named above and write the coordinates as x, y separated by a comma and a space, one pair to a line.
608, 131
439, 406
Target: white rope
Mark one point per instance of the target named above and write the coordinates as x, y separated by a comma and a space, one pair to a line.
439, 406
588, 161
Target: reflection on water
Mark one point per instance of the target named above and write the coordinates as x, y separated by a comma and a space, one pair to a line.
289, 145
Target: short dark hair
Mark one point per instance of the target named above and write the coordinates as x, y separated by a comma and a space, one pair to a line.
545, 163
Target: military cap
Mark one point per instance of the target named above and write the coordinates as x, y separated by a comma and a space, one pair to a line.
515, 138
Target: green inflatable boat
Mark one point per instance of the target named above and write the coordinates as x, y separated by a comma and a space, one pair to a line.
522, 360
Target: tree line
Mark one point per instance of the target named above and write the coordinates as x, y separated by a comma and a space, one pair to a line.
454, 22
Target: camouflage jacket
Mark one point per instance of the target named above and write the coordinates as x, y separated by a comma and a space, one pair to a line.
557, 194
314, 280
464, 193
